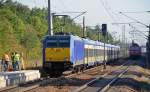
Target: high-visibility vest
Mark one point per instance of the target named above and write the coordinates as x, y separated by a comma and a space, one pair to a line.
17, 57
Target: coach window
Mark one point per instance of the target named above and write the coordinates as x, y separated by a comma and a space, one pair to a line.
64, 42
86, 52
97, 52
89, 52
52, 43
94, 51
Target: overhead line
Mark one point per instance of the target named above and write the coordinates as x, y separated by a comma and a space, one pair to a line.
66, 12
117, 17
138, 30
124, 23
79, 15
101, 1
110, 10
134, 19
138, 12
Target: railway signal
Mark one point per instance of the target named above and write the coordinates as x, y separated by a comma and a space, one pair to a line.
104, 29
104, 33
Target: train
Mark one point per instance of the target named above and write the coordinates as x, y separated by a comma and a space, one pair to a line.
135, 51
62, 52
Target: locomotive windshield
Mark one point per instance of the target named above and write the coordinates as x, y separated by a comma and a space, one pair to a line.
58, 41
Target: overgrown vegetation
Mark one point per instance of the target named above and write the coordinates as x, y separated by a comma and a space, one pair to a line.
22, 29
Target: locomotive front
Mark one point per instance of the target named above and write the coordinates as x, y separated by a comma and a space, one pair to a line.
135, 51
56, 53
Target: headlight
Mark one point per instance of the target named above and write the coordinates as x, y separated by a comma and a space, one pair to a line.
66, 59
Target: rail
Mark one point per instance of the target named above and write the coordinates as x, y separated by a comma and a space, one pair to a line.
90, 86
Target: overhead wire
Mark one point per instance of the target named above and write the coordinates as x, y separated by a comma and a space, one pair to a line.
109, 9
114, 14
106, 9
115, 17
141, 32
138, 12
134, 19
126, 12
65, 10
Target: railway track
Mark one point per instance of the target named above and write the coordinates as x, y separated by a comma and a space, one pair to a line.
21, 88
44, 81
35, 84
102, 83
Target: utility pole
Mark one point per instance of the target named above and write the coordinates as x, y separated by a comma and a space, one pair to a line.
148, 52
104, 33
123, 41
123, 44
104, 52
50, 20
99, 34
83, 26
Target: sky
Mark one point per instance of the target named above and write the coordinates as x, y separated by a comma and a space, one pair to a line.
104, 11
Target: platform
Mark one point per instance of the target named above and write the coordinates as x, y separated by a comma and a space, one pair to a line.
18, 77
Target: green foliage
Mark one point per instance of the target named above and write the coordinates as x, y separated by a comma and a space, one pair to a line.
8, 41
17, 33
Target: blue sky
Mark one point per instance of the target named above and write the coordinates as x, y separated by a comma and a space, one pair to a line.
102, 11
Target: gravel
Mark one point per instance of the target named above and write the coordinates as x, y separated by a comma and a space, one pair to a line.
69, 84
135, 80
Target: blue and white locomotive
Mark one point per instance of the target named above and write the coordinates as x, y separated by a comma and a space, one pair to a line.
62, 52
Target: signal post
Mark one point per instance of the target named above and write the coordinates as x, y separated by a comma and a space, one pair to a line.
104, 33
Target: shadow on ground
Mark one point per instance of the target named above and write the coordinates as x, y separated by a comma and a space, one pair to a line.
129, 82
66, 82
141, 61
136, 85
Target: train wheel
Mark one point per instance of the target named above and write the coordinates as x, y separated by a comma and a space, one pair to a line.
75, 70
79, 69
82, 70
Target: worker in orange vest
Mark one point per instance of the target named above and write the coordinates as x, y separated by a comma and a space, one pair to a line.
5, 60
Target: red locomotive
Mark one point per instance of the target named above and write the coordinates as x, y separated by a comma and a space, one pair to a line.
135, 51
